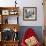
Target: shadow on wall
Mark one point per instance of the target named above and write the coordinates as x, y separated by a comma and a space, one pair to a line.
37, 29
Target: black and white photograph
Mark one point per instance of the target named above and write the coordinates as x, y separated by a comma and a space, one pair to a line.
29, 13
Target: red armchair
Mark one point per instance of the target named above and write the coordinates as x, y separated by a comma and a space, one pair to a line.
29, 36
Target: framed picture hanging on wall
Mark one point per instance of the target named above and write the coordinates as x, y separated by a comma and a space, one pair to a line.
30, 13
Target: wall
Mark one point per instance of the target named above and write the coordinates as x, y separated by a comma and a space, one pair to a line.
35, 3
27, 3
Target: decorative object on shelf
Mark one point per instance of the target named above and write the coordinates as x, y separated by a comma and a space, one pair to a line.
5, 12
15, 37
15, 30
15, 34
6, 21
13, 12
30, 13
8, 10
7, 34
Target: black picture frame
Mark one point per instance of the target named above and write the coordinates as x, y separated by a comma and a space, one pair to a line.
29, 13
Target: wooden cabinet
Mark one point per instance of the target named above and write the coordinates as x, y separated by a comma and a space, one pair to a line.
9, 23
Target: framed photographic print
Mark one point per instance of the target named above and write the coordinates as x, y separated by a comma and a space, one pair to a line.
5, 12
30, 13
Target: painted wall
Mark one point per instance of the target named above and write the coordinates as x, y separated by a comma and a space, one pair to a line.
26, 3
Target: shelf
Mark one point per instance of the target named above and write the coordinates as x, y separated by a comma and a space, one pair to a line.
11, 41
10, 26
9, 23
8, 11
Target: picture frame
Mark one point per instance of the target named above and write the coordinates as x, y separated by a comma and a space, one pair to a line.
5, 12
30, 13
